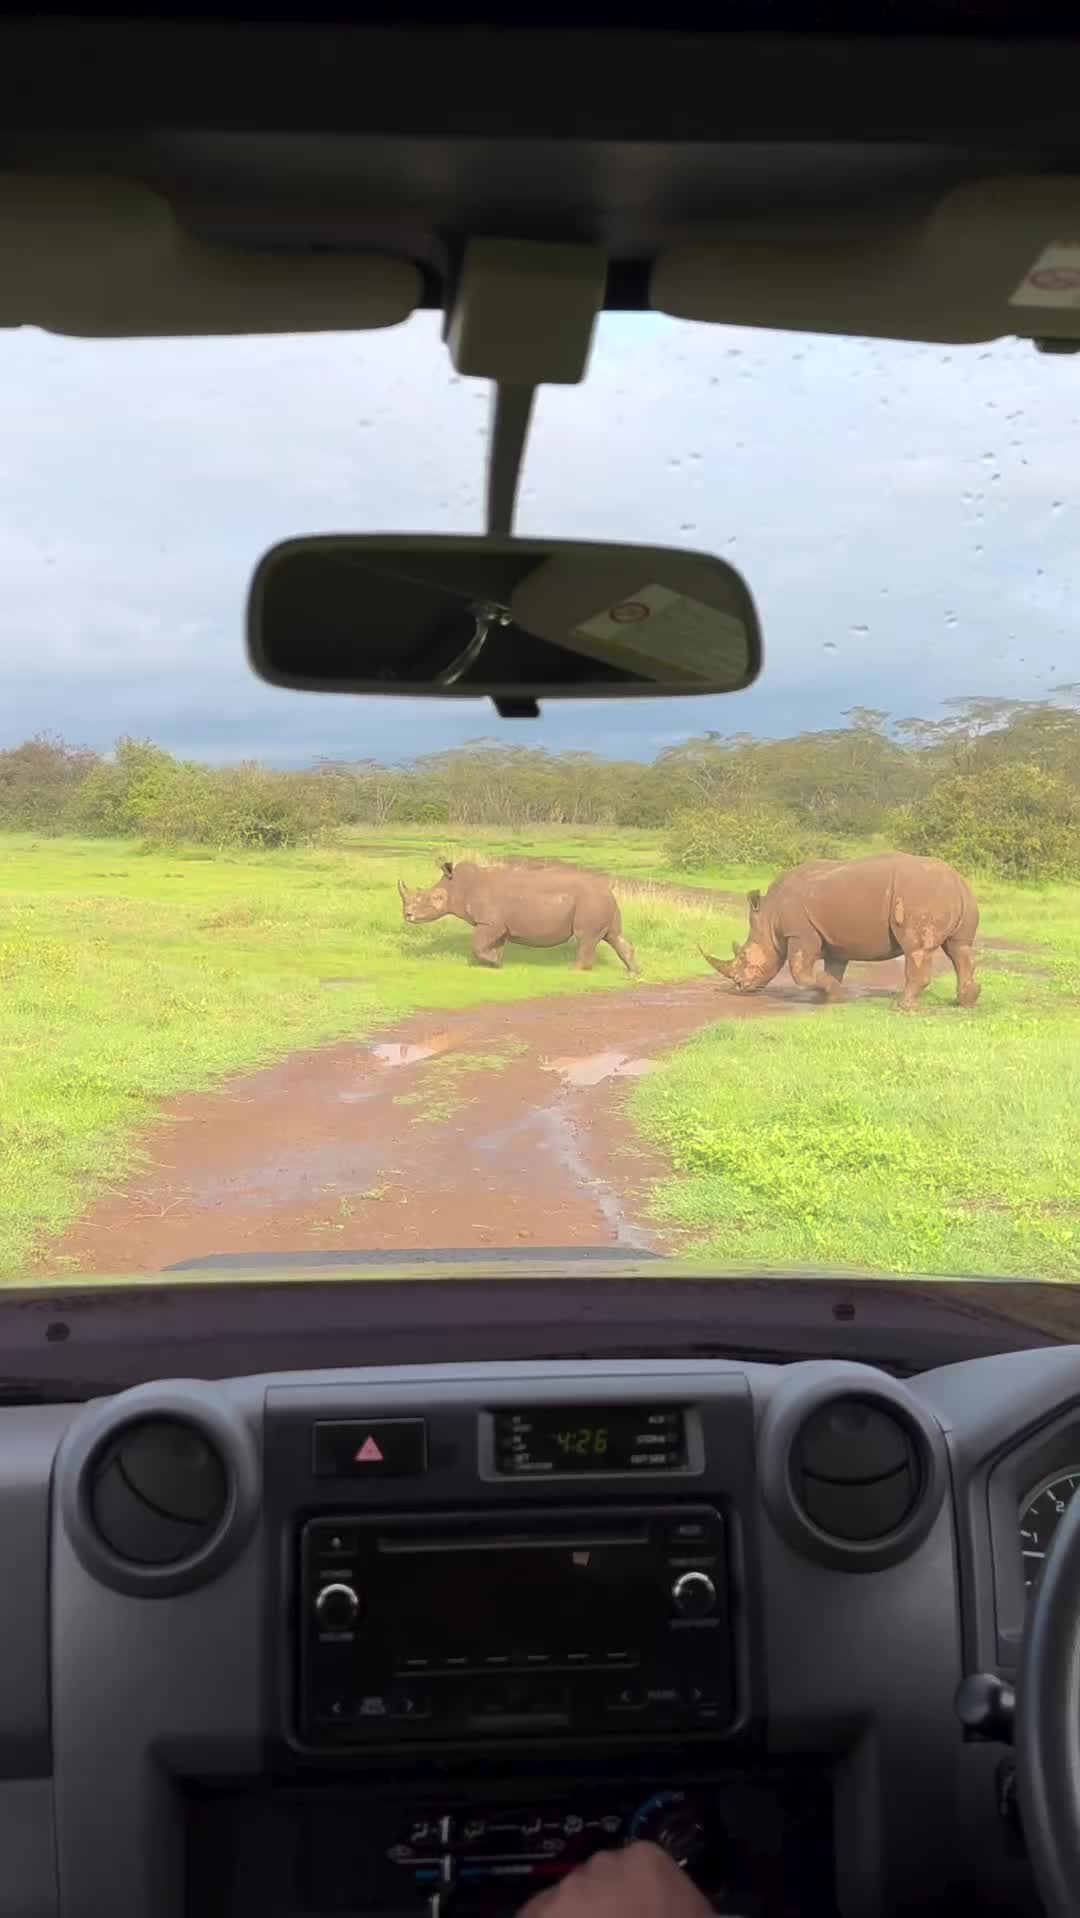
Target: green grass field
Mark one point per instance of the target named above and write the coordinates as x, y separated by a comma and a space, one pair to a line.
127, 976
944, 1142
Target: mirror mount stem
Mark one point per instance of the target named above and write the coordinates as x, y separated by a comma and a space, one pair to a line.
511, 417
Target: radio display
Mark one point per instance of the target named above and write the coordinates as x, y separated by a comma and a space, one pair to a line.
551, 1440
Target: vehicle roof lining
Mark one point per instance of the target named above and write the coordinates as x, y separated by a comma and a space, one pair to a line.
615, 84
419, 198
328, 144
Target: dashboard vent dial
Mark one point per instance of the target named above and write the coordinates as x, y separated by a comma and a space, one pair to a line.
855, 1469
159, 1488
852, 1465
158, 1492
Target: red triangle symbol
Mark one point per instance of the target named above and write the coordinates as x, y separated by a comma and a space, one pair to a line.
369, 1453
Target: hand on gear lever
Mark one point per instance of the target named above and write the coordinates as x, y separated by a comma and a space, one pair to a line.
638, 1882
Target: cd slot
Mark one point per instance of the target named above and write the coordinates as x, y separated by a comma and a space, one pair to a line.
566, 1538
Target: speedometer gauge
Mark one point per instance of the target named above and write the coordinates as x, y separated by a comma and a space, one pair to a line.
1040, 1519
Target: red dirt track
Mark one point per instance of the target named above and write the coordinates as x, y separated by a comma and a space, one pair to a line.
332, 1149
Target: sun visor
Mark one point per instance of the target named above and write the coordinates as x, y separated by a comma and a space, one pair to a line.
995, 258
105, 258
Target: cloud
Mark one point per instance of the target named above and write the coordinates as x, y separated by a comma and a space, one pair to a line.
903, 514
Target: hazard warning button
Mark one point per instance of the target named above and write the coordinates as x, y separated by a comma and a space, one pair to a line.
370, 1448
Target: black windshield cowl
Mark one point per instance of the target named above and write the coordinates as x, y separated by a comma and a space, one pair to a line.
85, 1341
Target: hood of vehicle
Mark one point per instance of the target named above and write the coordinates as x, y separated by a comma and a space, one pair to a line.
482, 1260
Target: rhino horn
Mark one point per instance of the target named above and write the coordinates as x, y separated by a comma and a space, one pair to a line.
718, 965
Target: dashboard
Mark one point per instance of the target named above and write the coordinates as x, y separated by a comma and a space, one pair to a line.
400, 1639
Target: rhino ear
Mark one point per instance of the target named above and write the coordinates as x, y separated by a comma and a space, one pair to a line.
403, 888
735, 947
753, 900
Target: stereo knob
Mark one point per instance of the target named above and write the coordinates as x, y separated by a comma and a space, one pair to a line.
694, 1595
337, 1607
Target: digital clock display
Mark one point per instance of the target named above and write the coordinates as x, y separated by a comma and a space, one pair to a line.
554, 1439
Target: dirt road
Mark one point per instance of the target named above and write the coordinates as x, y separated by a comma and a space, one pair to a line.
500, 1126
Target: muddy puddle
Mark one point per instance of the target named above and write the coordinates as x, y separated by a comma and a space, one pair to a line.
598, 1066
297, 1175
547, 1133
394, 1053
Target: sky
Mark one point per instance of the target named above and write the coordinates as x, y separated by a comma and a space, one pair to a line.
906, 517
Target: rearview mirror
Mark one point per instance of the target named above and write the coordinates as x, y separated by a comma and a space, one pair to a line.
514, 620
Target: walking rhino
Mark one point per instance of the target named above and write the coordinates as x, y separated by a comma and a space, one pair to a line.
542, 907
890, 905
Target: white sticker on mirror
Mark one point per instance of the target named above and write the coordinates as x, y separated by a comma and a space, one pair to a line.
656, 620
1054, 279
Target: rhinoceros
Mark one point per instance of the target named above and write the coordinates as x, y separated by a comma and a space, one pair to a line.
536, 907
837, 910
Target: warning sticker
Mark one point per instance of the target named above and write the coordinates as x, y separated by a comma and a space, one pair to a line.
1054, 280
665, 628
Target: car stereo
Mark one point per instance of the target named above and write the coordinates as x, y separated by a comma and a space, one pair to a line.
469, 1625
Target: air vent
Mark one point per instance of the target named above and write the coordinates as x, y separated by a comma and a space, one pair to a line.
159, 1487
852, 1466
855, 1470
159, 1492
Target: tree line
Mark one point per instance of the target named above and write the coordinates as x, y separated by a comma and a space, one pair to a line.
993, 784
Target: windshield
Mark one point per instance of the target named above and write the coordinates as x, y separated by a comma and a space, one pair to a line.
286, 975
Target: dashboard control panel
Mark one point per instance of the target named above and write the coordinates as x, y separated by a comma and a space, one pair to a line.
492, 1861
572, 1620
757, 1845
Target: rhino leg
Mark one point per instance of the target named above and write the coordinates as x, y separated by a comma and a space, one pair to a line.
487, 945
917, 963
963, 960
624, 949
587, 943
802, 960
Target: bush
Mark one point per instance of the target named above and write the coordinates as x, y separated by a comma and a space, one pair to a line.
37, 781
750, 835
245, 807
116, 796
1009, 822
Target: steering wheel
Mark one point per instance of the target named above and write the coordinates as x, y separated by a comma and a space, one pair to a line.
1047, 1730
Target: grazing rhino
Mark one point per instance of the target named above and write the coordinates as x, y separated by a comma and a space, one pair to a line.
837, 910
530, 908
